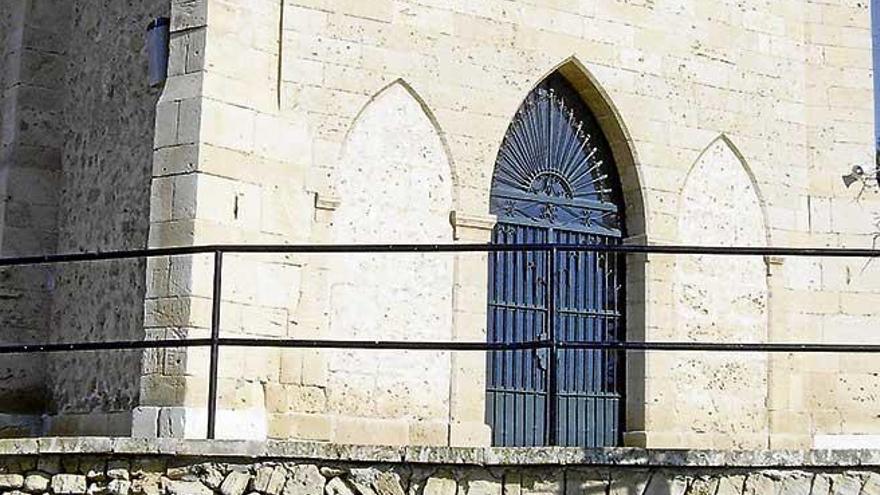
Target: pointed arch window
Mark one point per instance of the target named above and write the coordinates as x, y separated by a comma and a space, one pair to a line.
555, 182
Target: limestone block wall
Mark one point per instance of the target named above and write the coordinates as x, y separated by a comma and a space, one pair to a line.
238, 169
228, 167
259, 129
837, 294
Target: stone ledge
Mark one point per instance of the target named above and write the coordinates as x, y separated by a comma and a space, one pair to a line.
480, 456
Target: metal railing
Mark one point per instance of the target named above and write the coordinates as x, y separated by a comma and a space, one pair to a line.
215, 342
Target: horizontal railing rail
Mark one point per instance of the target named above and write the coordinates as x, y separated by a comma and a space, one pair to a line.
451, 346
215, 342
438, 248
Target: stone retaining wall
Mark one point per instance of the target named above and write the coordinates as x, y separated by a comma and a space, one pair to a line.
77, 466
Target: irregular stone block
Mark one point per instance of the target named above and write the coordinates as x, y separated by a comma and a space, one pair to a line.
261, 478
730, 485
798, 484
69, 484
174, 487
119, 487
337, 487
118, 470
210, 475
177, 473
483, 487
821, 485
872, 485
758, 484
94, 469
304, 480
269, 480
361, 481
332, 472
388, 484
847, 484
147, 485
440, 486
703, 486
551, 480
235, 483
11, 481
36, 482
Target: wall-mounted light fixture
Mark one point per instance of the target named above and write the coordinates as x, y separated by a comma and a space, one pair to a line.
868, 178
157, 50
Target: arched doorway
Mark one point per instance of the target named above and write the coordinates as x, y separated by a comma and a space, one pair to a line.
555, 182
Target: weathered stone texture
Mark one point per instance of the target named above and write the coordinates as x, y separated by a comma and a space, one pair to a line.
10, 481
69, 484
269, 480
235, 483
310, 134
356, 475
296, 121
717, 299
109, 112
31, 134
75, 158
394, 148
36, 482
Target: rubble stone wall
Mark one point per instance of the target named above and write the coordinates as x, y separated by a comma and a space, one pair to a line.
162, 467
109, 117
75, 156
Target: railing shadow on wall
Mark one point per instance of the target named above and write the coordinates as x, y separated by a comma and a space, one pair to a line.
552, 344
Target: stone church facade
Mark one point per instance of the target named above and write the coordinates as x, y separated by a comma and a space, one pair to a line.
345, 122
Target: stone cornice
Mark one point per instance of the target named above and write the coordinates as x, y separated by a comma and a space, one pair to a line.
463, 223
483, 456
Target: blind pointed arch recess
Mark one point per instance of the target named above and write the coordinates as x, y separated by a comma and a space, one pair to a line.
555, 165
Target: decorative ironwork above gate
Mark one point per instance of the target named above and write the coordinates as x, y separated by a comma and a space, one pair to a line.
551, 168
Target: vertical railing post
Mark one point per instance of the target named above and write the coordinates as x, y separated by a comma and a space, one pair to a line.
215, 343
552, 426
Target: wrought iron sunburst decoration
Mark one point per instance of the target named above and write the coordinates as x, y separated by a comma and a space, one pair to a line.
555, 153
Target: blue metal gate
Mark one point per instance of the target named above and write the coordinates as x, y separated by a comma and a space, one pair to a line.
555, 183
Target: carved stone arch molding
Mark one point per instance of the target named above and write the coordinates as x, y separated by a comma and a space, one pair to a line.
399, 90
718, 299
622, 145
